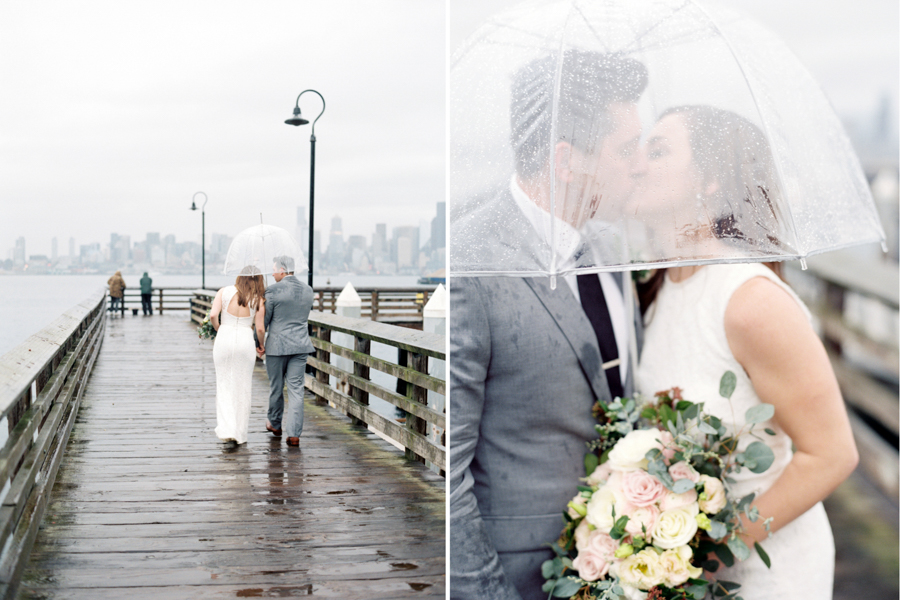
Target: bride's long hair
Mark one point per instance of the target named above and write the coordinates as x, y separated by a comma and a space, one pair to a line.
732, 151
250, 287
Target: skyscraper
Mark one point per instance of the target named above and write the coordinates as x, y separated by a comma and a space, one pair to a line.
19, 252
301, 233
336, 243
439, 228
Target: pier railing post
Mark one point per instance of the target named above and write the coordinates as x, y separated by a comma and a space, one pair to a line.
323, 334
160, 301
419, 395
374, 303
361, 346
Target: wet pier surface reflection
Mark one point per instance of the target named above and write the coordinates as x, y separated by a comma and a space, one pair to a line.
148, 503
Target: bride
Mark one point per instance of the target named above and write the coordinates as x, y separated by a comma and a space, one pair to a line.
234, 351
703, 321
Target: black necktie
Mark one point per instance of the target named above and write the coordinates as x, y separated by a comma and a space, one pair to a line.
594, 305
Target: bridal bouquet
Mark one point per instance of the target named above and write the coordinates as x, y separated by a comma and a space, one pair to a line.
655, 504
206, 329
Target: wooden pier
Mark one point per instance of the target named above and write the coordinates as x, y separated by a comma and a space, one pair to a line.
149, 504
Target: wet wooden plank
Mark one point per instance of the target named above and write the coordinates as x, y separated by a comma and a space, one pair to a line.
149, 504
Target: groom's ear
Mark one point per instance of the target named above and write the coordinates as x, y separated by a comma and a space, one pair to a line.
562, 161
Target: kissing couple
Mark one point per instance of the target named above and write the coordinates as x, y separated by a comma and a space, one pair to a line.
278, 317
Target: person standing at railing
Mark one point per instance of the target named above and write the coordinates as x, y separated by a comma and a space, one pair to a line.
288, 302
116, 292
146, 294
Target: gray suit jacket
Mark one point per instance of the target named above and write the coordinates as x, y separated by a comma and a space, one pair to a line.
288, 303
525, 372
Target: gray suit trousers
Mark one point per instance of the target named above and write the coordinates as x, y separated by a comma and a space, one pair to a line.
286, 369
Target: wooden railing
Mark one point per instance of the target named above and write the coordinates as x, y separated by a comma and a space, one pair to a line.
415, 350
41, 384
838, 287
396, 305
162, 299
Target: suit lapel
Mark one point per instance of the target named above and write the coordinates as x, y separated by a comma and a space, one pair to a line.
574, 325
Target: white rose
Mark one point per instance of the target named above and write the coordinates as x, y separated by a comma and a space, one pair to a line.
632, 593
628, 453
582, 535
676, 566
675, 527
713, 499
600, 509
641, 570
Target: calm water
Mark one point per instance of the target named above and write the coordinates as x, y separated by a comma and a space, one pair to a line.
29, 303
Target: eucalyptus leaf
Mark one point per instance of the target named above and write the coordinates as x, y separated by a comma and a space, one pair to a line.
760, 455
698, 591
738, 548
566, 587
762, 554
727, 384
548, 569
759, 413
706, 428
717, 530
549, 585
769, 431
682, 485
746, 501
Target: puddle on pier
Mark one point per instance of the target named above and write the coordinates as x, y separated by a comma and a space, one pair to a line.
276, 592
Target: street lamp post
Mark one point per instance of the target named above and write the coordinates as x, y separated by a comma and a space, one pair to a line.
203, 233
298, 120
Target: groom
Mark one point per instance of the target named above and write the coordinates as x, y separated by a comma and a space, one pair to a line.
288, 302
529, 362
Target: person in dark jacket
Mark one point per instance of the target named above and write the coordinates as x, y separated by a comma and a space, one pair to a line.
146, 294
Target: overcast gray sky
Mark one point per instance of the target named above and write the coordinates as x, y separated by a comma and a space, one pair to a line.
112, 114
851, 48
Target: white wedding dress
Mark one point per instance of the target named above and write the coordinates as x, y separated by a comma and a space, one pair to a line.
685, 346
234, 354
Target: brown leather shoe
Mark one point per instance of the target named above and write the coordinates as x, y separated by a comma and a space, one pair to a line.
293, 441
275, 432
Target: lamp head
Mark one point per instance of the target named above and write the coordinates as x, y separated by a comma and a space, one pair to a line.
193, 205
296, 119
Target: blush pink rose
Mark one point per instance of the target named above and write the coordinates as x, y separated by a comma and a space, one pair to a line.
682, 470
641, 522
641, 488
600, 474
672, 500
602, 545
590, 566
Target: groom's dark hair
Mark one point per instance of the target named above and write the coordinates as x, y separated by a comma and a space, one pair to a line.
588, 83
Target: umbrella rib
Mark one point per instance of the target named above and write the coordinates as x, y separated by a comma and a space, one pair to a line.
762, 120
628, 49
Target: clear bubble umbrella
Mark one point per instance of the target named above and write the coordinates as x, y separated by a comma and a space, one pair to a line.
656, 133
258, 247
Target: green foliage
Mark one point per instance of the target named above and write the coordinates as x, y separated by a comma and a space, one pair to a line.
759, 413
727, 384
591, 461
758, 457
762, 554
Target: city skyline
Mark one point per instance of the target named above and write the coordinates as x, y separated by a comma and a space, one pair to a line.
409, 248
